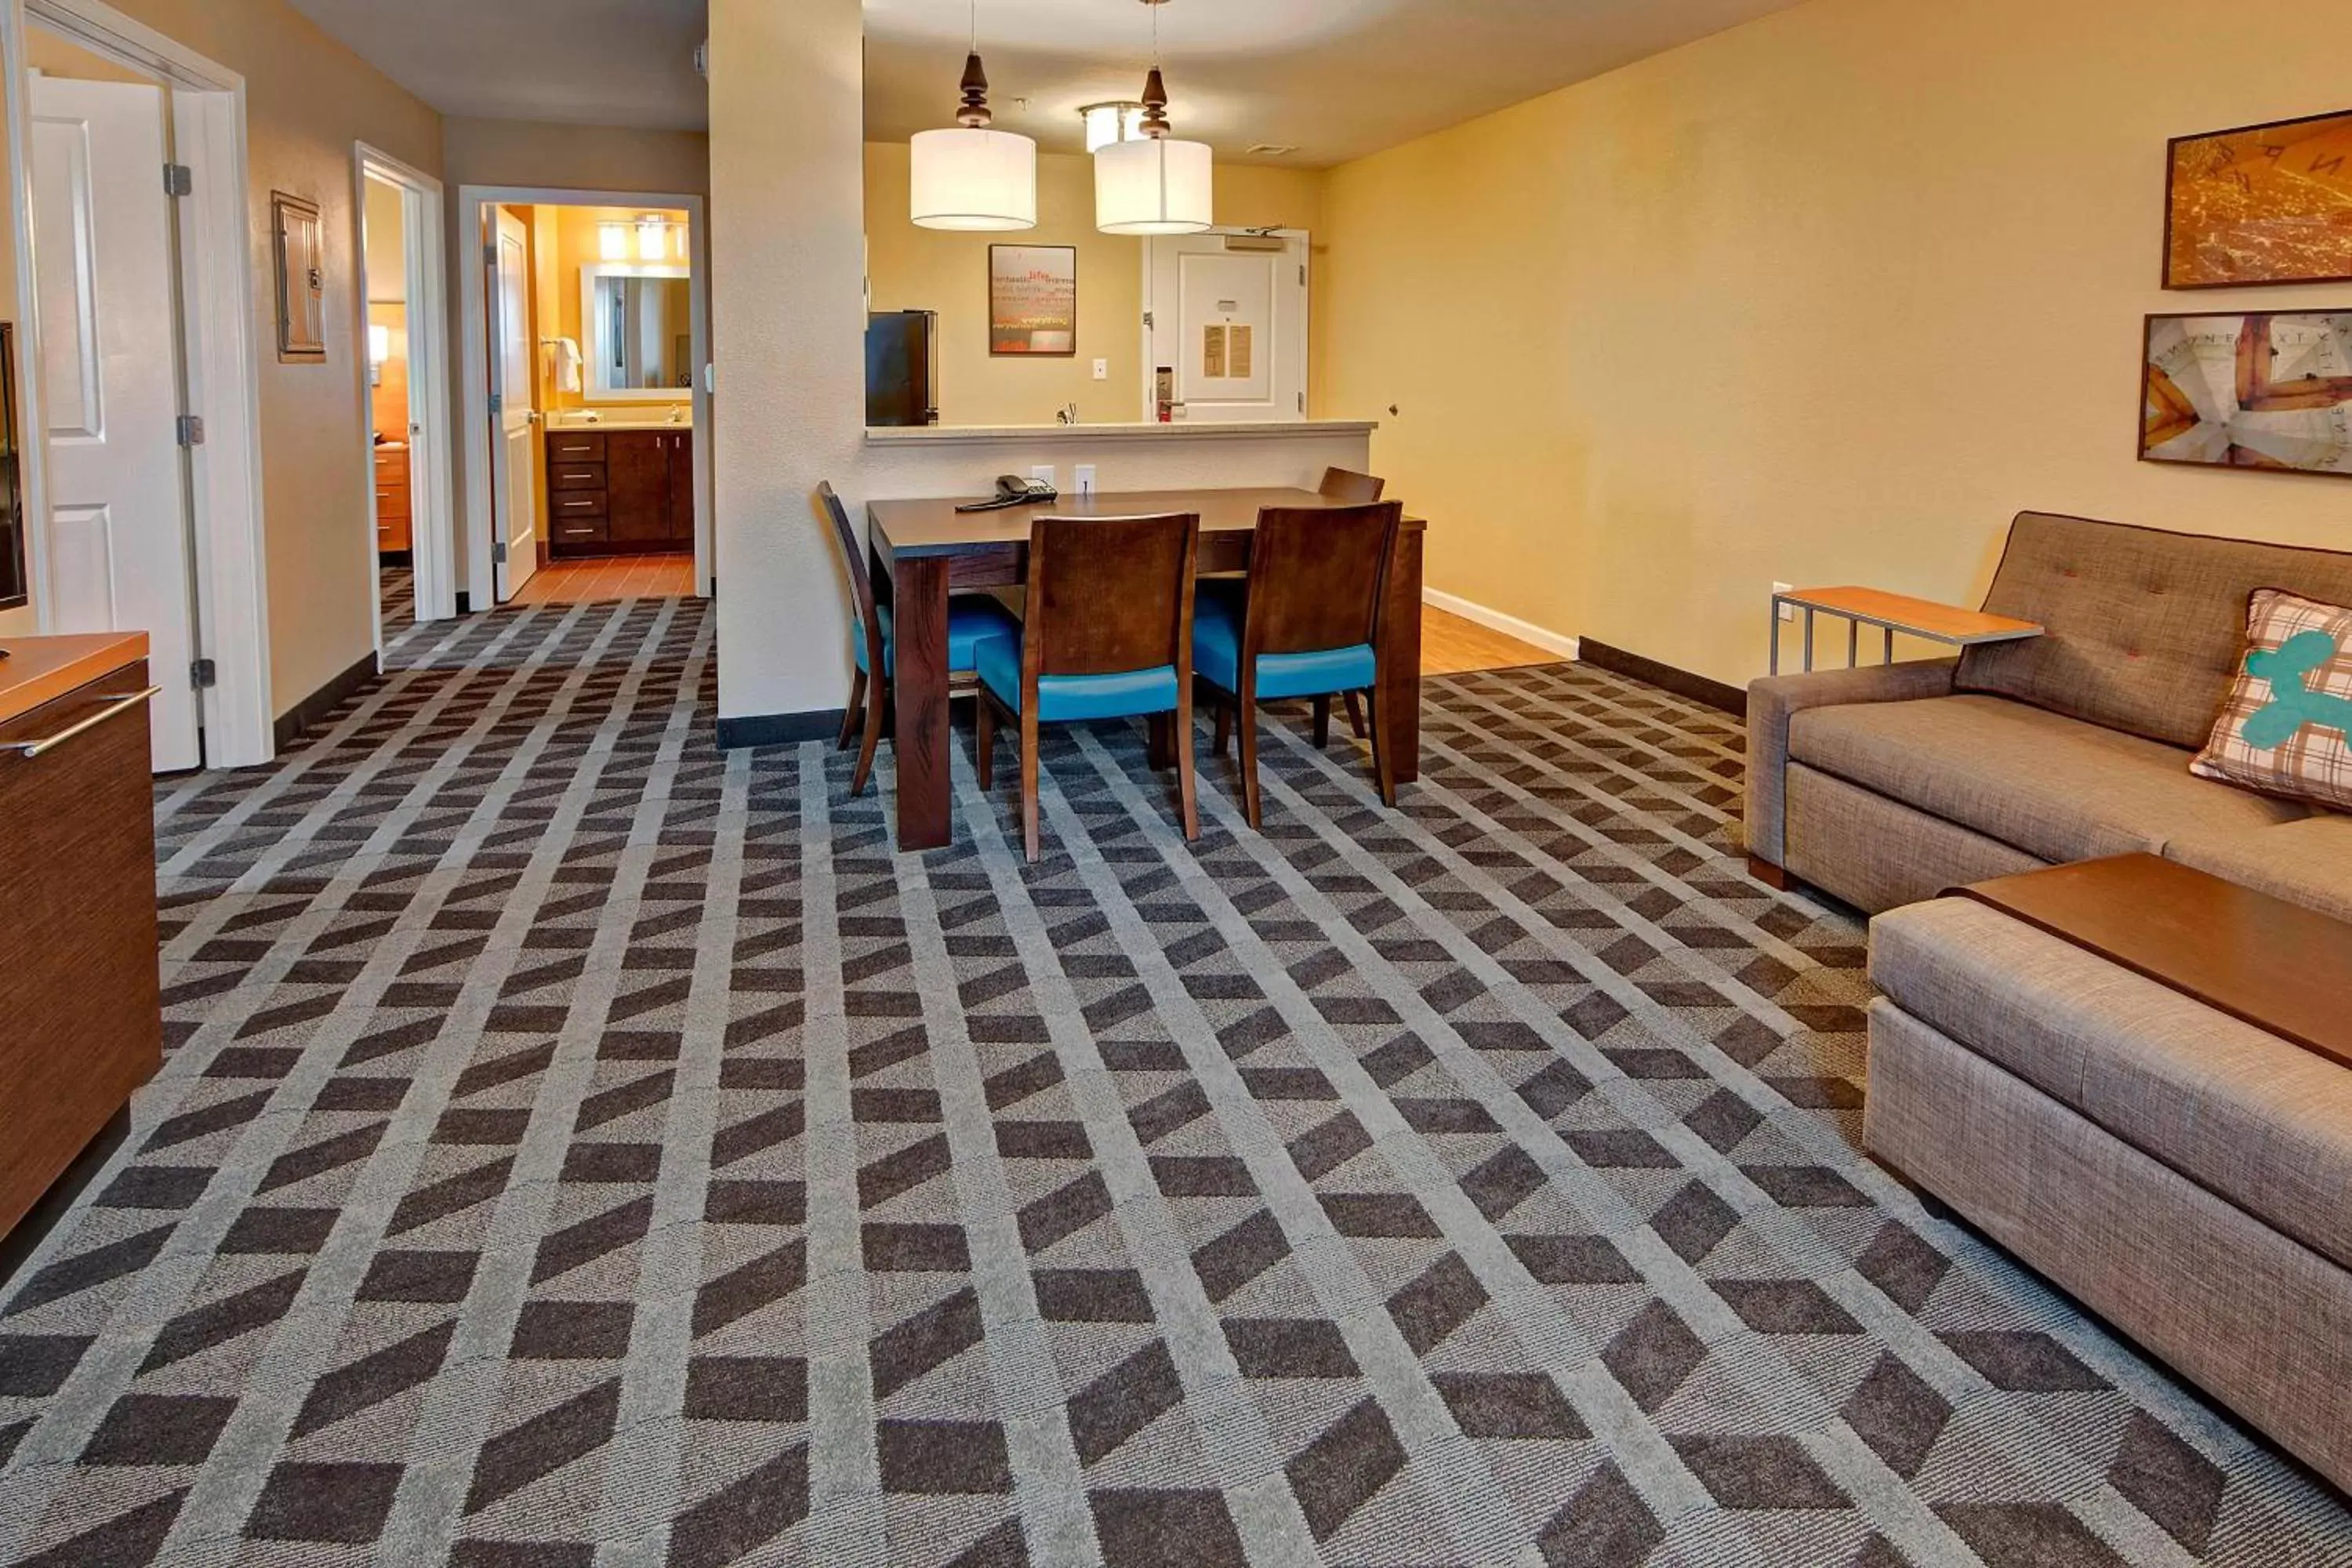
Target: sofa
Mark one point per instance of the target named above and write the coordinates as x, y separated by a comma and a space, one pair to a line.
1886, 785
2184, 1174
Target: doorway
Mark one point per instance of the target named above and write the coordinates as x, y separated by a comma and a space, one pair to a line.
404, 273
586, 402
1225, 318
140, 388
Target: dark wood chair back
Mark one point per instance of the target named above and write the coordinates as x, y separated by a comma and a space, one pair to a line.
1316, 576
861, 584
1354, 488
1108, 594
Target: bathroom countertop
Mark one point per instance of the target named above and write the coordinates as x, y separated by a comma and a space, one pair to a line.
621, 422
41, 669
954, 434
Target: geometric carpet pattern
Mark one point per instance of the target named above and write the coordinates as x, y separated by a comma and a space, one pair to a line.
577, 1146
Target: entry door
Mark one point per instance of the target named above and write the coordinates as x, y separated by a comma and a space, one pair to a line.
1229, 318
119, 546
515, 442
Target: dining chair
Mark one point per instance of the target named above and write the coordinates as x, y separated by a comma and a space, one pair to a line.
973, 619
1107, 634
1356, 490
1305, 626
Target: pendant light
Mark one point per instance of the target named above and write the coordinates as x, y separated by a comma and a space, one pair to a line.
1156, 185
974, 178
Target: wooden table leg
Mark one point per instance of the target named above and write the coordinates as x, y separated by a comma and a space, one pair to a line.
919, 690
1399, 660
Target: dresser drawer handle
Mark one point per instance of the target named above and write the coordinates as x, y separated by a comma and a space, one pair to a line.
578, 505
579, 533
29, 749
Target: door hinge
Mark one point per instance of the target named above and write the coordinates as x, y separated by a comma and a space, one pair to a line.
1302, 275
1302, 403
204, 674
1148, 322
179, 180
497, 403
490, 254
192, 430
499, 552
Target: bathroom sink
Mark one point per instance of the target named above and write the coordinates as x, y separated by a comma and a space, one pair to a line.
574, 419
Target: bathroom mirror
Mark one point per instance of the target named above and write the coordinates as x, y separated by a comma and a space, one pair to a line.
639, 334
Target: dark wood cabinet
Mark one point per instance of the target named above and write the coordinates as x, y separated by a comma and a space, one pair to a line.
619, 492
84, 1021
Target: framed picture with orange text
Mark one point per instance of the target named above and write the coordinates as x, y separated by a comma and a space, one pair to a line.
2258, 390
2262, 203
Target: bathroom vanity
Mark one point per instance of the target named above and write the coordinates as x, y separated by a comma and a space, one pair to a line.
619, 490
84, 1021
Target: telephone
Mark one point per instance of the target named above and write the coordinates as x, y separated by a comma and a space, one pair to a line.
1012, 490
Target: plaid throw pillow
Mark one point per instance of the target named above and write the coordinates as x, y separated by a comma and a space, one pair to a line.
2287, 729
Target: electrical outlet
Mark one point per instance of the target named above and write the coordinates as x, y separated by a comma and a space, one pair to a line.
1788, 612
1084, 478
1102, 370
1044, 473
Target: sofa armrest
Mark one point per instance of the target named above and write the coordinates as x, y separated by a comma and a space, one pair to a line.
1774, 701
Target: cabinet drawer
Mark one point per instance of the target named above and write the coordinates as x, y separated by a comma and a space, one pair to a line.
572, 506
84, 1021
391, 468
576, 476
569, 447
579, 530
391, 501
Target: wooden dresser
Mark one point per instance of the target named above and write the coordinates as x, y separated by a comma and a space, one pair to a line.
391, 503
619, 492
84, 1021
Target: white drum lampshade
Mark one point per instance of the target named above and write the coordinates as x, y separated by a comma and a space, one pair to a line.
1154, 186
974, 180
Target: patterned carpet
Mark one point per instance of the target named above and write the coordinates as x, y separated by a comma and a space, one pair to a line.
397, 592
579, 1147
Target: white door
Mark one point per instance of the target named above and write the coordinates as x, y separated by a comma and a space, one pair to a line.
119, 549
1228, 316
514, 490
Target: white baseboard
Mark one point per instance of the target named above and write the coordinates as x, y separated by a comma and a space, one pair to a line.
1510, 625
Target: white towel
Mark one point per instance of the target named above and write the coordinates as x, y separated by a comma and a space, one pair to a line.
567, 365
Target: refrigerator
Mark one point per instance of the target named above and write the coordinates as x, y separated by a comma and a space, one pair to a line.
902, 368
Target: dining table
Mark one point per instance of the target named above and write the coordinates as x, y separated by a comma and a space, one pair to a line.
924, 550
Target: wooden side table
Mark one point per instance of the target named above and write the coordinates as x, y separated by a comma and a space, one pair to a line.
1892, 613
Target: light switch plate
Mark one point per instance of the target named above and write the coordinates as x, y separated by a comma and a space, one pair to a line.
1102, 370
1084, 478
1788, 612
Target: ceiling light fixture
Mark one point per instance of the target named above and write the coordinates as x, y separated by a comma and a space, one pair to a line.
974, 178
1110, 122
1155, 185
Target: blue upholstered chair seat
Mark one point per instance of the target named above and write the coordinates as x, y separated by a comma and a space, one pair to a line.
973, 619
1217, 655
1073, 699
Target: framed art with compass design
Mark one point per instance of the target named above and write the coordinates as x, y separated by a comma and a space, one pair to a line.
2258, 390
2261, 203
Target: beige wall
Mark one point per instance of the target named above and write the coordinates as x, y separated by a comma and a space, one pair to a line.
308, 101
1827, 298
912, 268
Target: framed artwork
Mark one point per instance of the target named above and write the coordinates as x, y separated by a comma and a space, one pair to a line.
1032, 300
2253, 391
298, 241
2262, 203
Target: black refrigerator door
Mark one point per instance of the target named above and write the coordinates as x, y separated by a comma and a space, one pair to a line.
899, 358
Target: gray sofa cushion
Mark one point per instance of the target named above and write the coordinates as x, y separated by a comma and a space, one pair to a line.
2307, 862
2259, 1121
2052, 786
2146, 628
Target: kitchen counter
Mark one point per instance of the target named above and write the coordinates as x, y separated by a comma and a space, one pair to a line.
42, 670
1065, 434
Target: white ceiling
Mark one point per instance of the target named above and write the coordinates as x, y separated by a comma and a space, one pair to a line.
572, 62
1335, 79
